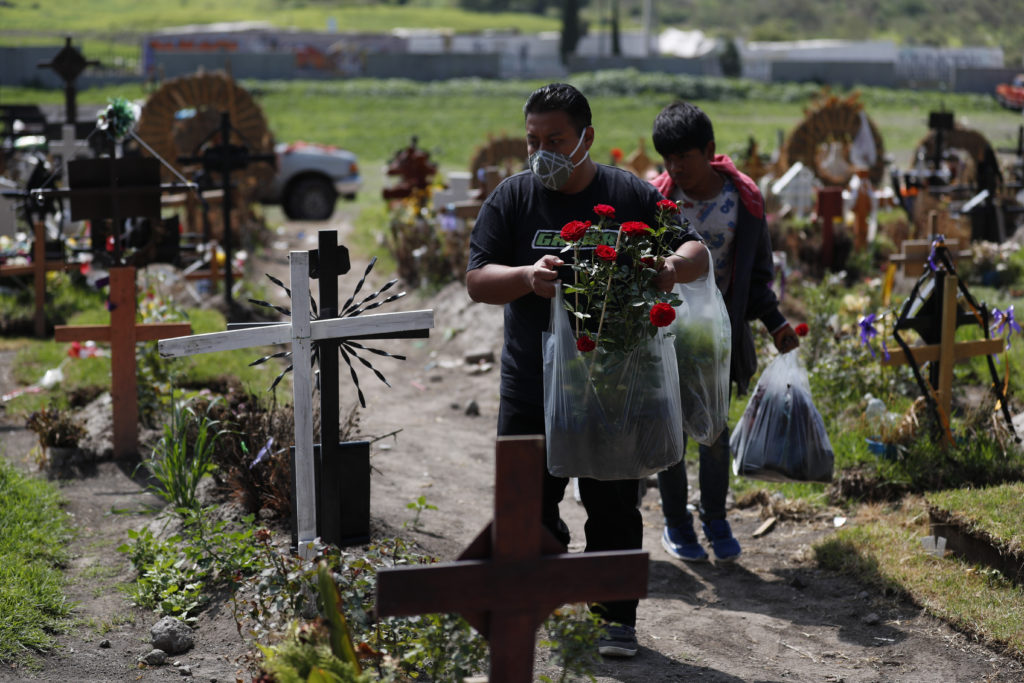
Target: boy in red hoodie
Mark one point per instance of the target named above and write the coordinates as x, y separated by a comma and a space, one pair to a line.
726, 208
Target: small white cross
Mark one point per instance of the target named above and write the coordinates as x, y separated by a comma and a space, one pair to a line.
301, 332
67, 149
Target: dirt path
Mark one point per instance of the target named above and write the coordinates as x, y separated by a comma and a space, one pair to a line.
772, 616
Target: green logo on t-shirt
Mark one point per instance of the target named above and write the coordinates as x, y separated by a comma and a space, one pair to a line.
552, 239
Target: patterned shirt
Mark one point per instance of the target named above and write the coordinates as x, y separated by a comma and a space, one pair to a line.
715, 221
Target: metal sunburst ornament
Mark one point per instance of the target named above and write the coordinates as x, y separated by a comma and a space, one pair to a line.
347, 348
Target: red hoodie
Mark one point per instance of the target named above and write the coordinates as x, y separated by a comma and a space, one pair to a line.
750, 194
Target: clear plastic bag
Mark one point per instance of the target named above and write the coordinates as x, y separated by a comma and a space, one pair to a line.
703, 345
607, 415
781, 436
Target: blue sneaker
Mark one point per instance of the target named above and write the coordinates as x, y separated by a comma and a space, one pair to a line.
617, 640
719, 534
681, 543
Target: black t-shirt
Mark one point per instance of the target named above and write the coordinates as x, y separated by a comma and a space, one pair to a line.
520, 222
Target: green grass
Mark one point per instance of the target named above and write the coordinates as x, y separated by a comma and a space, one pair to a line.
35, 357
996, 511
125, 21
886, 552
33, 548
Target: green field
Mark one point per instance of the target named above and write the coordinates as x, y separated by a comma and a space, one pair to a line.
125, 20
453, 118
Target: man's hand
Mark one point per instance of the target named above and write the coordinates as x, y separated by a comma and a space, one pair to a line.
541, 276
786, 339
686, 265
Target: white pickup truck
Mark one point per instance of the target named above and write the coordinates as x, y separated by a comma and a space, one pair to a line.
310, 178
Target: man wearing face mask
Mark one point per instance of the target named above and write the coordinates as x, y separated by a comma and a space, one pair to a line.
513, 260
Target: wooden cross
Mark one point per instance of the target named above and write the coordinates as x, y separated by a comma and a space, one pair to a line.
829, 209
38, 268
515, 573
214, 271
947, 352
301, 332
122, 333
914, 255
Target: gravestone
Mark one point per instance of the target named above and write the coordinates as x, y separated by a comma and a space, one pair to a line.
302, 332
515, 573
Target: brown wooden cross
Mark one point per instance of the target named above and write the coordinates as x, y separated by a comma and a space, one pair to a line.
38, 269
947, 352
214, 271
515, 573
914, 254
122, 333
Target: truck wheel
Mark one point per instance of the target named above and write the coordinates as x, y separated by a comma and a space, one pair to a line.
310, 199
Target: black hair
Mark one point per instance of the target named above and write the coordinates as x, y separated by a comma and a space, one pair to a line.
680, 127
560, 97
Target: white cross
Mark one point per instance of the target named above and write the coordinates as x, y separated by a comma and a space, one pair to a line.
301, 332
68, 148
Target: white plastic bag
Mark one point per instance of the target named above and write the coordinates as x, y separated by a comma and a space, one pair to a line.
781, 436
609, 416
703, 343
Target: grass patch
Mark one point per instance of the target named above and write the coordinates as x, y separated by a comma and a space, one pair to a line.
133, 19
995, 512
33, 548
882, 548
35, 357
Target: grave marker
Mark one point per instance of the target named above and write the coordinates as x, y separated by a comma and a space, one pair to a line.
301, 333
69, 65
935, 316
224, 158
38, 268
122, 334
515, 573
914, 254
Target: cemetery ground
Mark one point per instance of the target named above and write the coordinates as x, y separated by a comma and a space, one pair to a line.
777, 614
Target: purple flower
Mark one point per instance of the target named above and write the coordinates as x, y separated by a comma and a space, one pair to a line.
1003, 321
263, 452
869, 332
937, 241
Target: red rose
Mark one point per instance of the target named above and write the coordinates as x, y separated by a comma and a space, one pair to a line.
606, 253
649, 261
634, 228
662, 314
802, 330
668, 205
585, 344
574, 230
605, 211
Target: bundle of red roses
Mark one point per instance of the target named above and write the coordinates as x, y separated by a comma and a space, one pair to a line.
612, 299
611, 386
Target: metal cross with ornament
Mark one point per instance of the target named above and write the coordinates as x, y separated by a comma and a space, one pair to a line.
301, 332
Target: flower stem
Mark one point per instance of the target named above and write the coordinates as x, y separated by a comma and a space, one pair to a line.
604, 305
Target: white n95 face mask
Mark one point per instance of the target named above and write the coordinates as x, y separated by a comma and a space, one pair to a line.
554, 168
